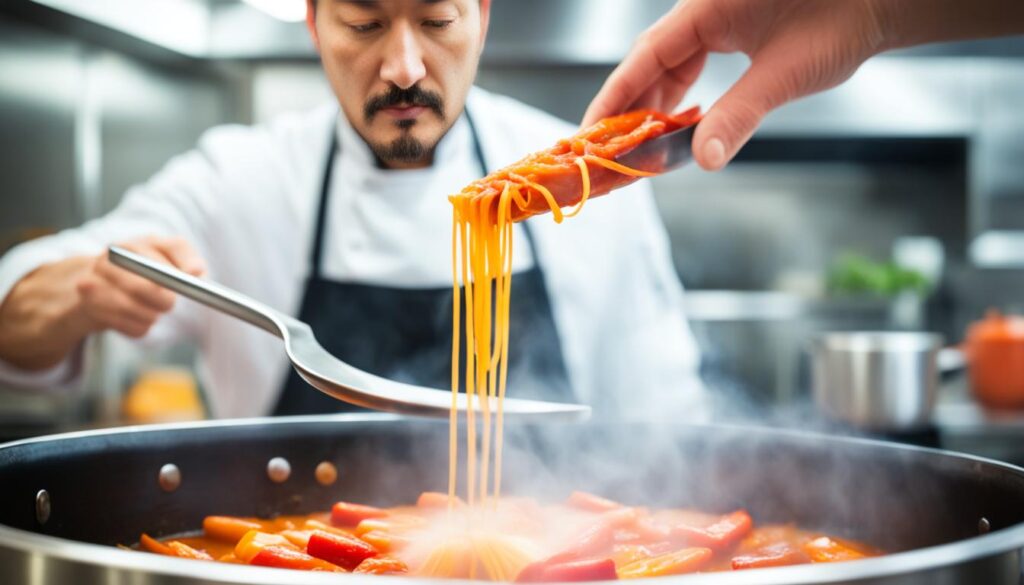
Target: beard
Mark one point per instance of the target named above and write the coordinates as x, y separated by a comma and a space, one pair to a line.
406, 148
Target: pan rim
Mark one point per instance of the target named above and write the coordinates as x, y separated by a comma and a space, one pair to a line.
918, 560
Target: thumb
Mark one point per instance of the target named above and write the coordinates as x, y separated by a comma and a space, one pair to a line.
729, 124
182, 255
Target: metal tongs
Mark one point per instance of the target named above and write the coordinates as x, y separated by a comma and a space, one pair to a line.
662, 154
318, 367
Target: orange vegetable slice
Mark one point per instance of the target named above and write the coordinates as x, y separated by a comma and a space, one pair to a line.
147, 542
382, 566
228, 528
827, 550
254, 541
349, 514
185, 551
777, 555
682, 561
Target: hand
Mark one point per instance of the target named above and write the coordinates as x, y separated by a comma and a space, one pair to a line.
51, 310
796, 47
113, 298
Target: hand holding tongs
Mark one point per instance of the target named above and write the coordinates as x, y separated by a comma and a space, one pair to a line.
318, 367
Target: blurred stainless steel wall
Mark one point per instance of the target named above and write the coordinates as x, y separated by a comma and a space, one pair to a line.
79, 124
40, 83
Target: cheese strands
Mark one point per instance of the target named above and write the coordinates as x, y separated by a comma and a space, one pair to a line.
567, 174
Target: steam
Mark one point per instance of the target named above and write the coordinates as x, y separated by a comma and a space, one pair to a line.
643, 449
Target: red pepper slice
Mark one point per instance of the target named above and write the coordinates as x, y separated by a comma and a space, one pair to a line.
342, 550
286, 558
776, 555
349, 514
568, 571
720, 534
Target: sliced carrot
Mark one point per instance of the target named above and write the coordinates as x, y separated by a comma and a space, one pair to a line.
349, 514
385, 541
437, 500
185, 551
382, 566
827, 550
254, 541
318, 525
395, 522
228, 528
153, 545
299, 538
686, 560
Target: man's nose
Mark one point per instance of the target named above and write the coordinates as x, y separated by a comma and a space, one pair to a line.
403, 58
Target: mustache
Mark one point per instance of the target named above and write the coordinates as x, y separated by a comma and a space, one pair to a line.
412, 96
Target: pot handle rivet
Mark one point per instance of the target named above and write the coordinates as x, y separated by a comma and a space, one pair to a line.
42, 506
984, 526
278, 469
170, 477
326, 473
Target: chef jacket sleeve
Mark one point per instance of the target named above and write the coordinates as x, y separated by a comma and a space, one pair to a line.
181, 200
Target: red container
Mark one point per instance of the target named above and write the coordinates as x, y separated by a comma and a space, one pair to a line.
995, 353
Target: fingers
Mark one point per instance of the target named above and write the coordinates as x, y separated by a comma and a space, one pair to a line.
729, 124
113, 298
665, 97
653, 60
180, 254
110, 308
139, 290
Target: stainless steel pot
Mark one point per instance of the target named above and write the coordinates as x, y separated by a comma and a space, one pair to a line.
878, 381
947, 518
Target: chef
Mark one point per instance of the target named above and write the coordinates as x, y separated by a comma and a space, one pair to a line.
339, 216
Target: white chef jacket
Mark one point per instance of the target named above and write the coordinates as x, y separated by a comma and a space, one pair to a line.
246, 197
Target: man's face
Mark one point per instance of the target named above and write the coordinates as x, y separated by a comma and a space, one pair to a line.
400, 69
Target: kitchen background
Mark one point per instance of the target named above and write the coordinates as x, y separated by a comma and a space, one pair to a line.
917, 160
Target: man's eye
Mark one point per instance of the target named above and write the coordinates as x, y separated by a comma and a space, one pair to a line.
437, 23
365, 28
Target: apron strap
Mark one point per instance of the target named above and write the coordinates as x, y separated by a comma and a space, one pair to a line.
316, 255
317, 250
478, 151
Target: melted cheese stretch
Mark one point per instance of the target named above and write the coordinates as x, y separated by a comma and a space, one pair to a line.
482, 264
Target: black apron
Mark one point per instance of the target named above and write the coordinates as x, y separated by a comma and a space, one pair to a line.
405, 334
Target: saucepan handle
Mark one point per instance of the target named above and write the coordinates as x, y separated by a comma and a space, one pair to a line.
951, 359
210, 294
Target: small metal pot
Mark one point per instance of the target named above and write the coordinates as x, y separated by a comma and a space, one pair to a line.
877, 381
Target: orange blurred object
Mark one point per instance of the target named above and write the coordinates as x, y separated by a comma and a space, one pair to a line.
163, 395
995, 351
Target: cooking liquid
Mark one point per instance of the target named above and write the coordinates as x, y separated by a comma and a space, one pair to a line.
509, 536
